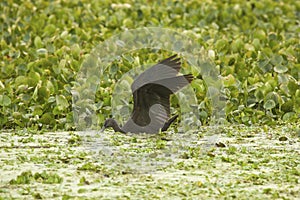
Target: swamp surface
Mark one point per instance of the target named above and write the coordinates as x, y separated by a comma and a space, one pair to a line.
235, 162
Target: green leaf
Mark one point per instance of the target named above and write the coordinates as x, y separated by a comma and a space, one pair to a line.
259, 95
229, 80
47, 118
273, 96
256, 43
292, 86
42, 51
264, 65
237, 45
75, 49
43, 93
280, 69
288, 116
288, 106
38, 111
21, 80
38, 42
4, 100
260, 34
276, 60
269, 104
61, 102
222, 45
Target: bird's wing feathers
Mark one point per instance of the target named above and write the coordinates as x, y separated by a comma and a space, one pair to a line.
157, 118
175, 83
147, 96
165, 69
151, 94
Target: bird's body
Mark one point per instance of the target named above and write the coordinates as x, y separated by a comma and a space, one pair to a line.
151, 94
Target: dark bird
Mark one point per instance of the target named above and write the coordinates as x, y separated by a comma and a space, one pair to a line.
151, 95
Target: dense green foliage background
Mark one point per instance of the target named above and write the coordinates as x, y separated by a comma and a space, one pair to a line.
256, 44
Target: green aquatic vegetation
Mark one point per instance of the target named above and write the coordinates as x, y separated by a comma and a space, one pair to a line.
253, 167
255, 45
28, 177
75, 140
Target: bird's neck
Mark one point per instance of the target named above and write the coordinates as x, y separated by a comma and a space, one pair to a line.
118, 129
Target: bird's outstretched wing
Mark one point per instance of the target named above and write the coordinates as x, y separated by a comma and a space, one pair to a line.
167, 68
151, 94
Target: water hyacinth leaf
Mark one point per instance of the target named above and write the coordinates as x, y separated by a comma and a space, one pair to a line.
259, 34
49, 29
38, 110
42, 51
47, 118
280, 69
61, 102
274, 96
76, 50
259, 95
7, 70
34, 78
288, 106
62, 64
269, 104
293, 86
38, 43
50, 87
25, 97
289, 115
272, 36
203, 115
237, 45
129, 58
265, 65
229, 80
222, 45
17, 115
283, 78
43, 93
256, 43
21, 80
113, 69
250, 49
35, 93
276, 60
4, 100
120, 43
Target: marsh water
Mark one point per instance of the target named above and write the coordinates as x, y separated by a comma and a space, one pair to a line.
241, 162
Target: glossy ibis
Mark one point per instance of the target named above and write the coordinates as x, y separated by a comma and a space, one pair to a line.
151, 95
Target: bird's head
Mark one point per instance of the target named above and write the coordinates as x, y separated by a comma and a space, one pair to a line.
109, 123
